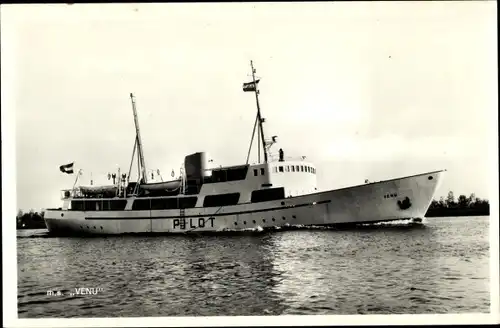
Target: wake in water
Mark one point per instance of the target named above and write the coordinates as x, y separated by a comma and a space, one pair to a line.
33, 233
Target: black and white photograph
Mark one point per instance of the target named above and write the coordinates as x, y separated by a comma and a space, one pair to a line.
267, 163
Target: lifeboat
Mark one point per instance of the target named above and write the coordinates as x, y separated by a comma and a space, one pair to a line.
98, 189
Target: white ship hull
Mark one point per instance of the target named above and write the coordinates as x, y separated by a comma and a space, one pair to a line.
403, 198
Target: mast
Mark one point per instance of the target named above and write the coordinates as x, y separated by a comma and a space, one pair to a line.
132, 160
139, 142
251, 140
259, 118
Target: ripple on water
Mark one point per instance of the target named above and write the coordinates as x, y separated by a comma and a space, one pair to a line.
441, 267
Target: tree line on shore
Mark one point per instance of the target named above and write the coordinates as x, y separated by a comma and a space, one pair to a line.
463, 206
30, 220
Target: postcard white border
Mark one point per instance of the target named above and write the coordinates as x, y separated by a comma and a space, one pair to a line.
9, 264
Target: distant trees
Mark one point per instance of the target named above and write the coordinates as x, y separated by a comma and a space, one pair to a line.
30, 220
464, 205
450, 200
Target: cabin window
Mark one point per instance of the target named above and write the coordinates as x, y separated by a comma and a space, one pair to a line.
262, 171
77, 205
302, 168
287, 168
90, 205
114, 205
104, 206
141, 204
293, 168
281, 168
308, 169
297, 168
164, 203
255, 172
230, 174
221, 200
264, 195
187, 202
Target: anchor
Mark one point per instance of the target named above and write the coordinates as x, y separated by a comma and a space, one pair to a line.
405, 204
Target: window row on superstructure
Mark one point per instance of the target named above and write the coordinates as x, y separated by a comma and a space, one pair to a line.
172, 203
294, 168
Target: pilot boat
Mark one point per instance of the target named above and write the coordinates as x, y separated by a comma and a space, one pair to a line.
276, 192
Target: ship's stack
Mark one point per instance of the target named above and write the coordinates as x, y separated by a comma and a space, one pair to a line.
195, 171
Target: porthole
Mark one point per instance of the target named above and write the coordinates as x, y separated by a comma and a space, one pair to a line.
263, 220
87, 227
94, 227
293, 216
244, 222
236, 223
430, 178
284, 219
101, 228
282, 203
273, 219
254, 221
62, 214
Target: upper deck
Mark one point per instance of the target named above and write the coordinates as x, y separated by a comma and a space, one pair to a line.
223, 186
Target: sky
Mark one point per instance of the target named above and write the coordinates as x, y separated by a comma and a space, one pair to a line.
373, 90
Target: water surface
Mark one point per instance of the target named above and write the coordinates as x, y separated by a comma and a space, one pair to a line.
441, 266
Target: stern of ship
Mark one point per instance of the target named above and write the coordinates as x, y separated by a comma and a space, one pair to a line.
63, 222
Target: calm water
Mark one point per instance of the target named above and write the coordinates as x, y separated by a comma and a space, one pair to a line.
439, 267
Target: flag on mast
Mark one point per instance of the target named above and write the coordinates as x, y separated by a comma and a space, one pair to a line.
250, 86
67, 168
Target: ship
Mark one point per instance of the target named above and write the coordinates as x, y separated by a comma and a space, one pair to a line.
275, 192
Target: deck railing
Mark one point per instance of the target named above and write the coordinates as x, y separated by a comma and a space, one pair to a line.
276, 158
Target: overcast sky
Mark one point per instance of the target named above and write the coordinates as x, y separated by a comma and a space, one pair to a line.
365, 90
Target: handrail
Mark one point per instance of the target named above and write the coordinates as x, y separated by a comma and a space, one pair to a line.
276, 158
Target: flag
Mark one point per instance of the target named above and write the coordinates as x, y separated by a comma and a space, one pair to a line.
67, 168
250, 86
